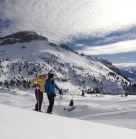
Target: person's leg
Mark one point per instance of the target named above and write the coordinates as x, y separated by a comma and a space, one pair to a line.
52, 103
49, 107
40, 99
36, 95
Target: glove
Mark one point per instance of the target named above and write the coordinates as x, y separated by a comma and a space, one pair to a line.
34, 86
60, 92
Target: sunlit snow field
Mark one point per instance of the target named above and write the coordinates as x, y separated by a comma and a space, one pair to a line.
107, 109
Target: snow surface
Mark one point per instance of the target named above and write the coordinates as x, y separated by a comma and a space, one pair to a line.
107, 109
23, 124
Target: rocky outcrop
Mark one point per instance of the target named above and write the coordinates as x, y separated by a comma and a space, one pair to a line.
52, 44
110, 66
8, 41
23, 36
64, 46
31, 37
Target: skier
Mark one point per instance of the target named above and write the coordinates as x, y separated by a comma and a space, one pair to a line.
50, 90
39, 82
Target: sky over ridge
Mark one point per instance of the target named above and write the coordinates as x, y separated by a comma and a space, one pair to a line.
89, 26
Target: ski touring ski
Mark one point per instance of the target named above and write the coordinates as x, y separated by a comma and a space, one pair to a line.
71, 108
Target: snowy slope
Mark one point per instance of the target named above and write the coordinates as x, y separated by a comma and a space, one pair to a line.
107, 109
22, 124
73, 71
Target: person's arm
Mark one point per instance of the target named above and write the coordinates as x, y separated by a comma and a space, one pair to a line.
60, 92
33, 81
57, 87
47, 88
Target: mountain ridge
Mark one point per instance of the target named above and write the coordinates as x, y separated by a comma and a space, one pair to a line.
129, 71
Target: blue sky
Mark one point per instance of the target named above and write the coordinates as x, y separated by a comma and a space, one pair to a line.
114, 37
104, 28
120, 58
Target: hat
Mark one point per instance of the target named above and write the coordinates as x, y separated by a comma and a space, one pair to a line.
44, 73
50, 75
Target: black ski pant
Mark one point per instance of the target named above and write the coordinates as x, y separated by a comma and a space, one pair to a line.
51, 103
39, 98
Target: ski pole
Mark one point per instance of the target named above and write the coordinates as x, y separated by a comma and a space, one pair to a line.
60, 106
38, 98
37, 90
44, 103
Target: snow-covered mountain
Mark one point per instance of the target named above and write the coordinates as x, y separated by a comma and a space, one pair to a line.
24, 55
128, 70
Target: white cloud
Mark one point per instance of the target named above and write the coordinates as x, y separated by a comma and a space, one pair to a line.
120, 47
79, 45
61, 20
123, 57
125, 65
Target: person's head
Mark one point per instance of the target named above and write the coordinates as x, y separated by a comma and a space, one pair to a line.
50, 76
44, 76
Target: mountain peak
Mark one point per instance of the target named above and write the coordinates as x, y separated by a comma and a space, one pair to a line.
22, 36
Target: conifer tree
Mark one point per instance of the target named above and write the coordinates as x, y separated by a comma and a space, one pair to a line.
71, 103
